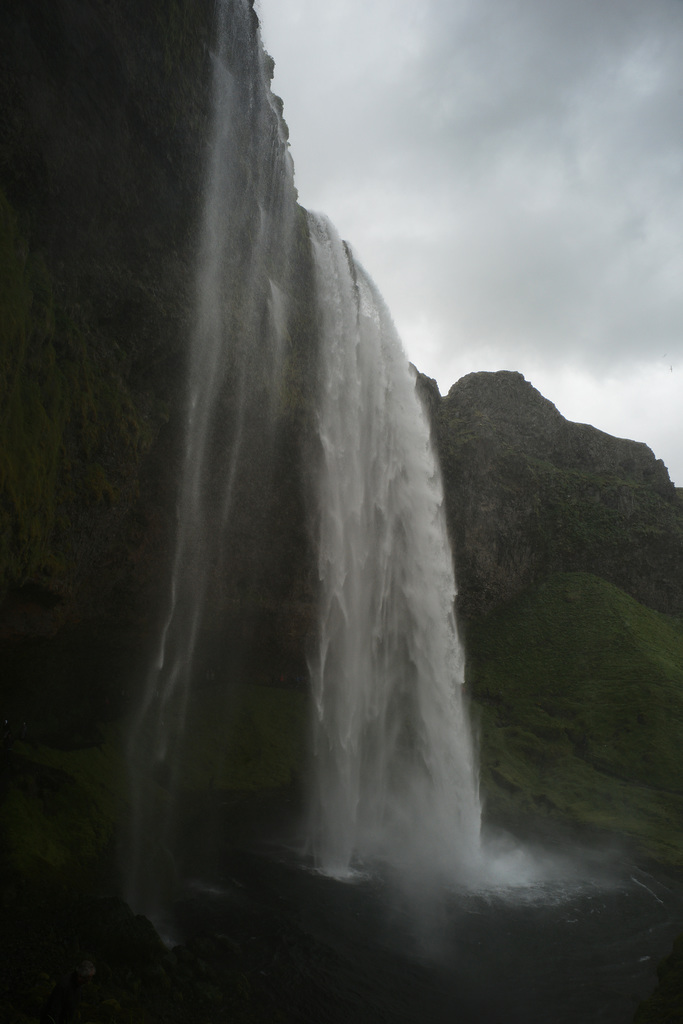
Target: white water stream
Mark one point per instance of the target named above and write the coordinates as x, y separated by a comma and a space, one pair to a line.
395, 774
394, 767
233, 371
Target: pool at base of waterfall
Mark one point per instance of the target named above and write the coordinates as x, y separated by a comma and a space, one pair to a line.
320, 950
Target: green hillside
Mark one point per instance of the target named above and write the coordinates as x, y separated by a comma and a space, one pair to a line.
579, 700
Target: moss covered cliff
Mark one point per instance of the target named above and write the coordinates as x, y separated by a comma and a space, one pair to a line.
579, 695
71, 433
103, 153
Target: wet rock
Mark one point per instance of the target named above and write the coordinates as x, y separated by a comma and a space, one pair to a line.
108, 1010
170, 961
207, 991
183, 955
155, 975
119, 934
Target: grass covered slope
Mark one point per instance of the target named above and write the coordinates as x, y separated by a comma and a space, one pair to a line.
580, 696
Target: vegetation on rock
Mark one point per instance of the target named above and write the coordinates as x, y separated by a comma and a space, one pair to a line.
579, 694
60, 809
60, 813
71, 436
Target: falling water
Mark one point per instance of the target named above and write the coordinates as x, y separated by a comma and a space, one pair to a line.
234, 362
394, 766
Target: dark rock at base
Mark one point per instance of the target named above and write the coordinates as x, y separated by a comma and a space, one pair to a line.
109, 925
666, 1002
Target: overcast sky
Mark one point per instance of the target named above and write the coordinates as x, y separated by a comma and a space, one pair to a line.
510, 173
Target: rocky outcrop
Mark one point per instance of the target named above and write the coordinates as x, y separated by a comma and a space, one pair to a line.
529, 493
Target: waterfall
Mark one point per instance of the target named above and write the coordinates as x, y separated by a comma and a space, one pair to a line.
395, 775
233, 370
394, 770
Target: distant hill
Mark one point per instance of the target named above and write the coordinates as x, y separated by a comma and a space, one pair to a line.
530, 493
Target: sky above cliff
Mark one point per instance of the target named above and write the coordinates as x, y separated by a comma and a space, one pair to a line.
510, 173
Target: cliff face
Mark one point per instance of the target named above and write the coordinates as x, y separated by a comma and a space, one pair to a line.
102, 139
104, 146
529, 494
103, 154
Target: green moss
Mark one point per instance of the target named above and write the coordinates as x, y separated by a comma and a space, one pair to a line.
62, 808
32, 416
95, 480
70, 431
580, 703
253, 739
182, 27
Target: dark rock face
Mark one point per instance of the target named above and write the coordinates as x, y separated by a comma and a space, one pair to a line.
121, 935
103, 151
529, 493
505, 405
102, 140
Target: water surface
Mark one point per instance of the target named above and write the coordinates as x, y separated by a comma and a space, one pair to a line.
320, 950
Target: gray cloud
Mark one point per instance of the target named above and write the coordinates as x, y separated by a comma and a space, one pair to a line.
509, 172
